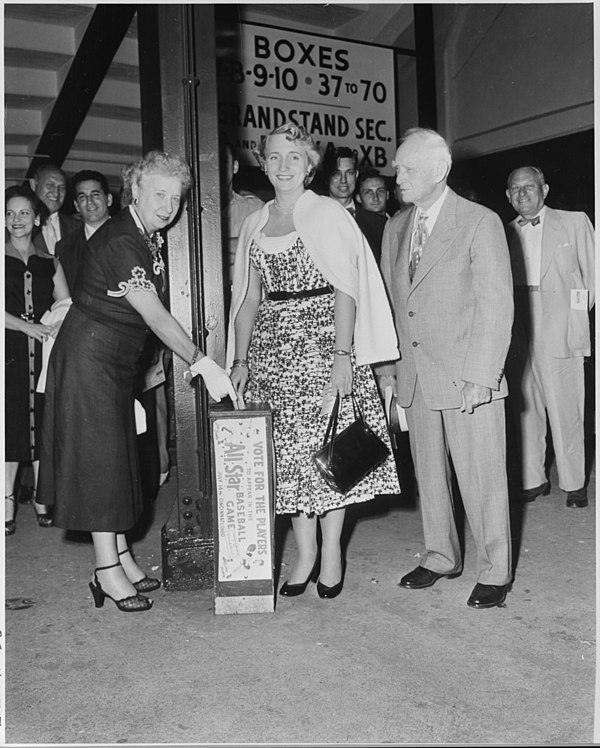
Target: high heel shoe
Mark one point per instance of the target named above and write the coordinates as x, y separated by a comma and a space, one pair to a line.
131, 604
293, 590
10, 525
328, 592
44, 519
145, 584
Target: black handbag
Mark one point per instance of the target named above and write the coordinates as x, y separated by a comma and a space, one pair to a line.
346, 458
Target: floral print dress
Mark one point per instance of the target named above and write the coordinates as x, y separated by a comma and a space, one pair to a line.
290, 358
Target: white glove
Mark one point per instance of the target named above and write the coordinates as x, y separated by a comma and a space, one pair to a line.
216, 380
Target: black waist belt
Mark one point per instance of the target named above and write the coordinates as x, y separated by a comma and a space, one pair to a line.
287, 295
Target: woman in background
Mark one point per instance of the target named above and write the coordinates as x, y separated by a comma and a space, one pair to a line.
33, 281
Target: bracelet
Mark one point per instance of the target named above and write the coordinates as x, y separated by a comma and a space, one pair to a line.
240, 362
340, 352
195, 356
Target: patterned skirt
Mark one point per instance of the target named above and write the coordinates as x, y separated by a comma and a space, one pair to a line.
290, 360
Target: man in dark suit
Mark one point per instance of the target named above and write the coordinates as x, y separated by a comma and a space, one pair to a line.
446, 266
552, 256
50, 185
92, 201
340, 167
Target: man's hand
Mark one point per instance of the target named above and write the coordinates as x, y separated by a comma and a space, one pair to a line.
386, 380
474, 395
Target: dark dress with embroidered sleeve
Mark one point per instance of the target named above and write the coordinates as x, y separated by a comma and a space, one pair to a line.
89, 457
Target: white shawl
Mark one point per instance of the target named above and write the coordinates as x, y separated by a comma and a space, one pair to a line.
341, 253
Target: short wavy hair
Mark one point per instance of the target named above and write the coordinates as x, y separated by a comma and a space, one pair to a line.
331, 160
298, 135
37, 206
433, 139
90, 175
154, 162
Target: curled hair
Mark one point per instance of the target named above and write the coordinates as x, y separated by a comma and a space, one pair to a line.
299, 136
154, 162
38, 207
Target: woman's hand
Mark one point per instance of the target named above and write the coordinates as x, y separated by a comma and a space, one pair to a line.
38, 331
215, 378
55, 328
341, 376
239, 379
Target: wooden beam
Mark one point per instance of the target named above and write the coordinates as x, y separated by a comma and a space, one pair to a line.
102, 39
425, 63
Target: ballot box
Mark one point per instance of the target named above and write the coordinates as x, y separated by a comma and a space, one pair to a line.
243, 500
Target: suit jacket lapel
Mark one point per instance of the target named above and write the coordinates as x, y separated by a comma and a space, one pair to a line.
551, 239
442, 236
403, 256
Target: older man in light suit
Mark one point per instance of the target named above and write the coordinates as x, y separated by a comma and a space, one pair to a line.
446, 266
552, 255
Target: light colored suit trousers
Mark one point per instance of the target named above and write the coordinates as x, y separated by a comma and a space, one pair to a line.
454, 323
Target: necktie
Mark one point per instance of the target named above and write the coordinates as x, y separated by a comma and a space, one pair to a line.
419, 238
524, 221
352, 211
51, 233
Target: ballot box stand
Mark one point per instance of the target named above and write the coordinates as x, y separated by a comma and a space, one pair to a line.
243, 501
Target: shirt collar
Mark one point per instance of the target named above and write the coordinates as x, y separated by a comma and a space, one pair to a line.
137, 220
434, 210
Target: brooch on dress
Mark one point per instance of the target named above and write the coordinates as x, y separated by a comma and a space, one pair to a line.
154, 244
158, 264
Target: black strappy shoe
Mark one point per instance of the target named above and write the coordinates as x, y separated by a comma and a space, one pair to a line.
145, 584
131, 604
44, 519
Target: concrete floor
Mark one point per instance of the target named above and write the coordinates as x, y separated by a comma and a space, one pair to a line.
379, 664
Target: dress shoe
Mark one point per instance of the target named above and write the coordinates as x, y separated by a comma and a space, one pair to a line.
420, 578
131, 604
10, 526
44, 519
293, 590
487, 595
577, 498
144, 584
531, 494
329, 592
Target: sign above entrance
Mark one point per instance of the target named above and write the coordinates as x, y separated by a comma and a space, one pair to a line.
342, 92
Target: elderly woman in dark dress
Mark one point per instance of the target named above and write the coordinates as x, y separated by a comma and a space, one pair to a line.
89, 462
33, 281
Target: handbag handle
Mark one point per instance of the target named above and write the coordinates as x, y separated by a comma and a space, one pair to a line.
333, 419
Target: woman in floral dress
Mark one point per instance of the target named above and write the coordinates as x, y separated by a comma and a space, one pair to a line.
309, 315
